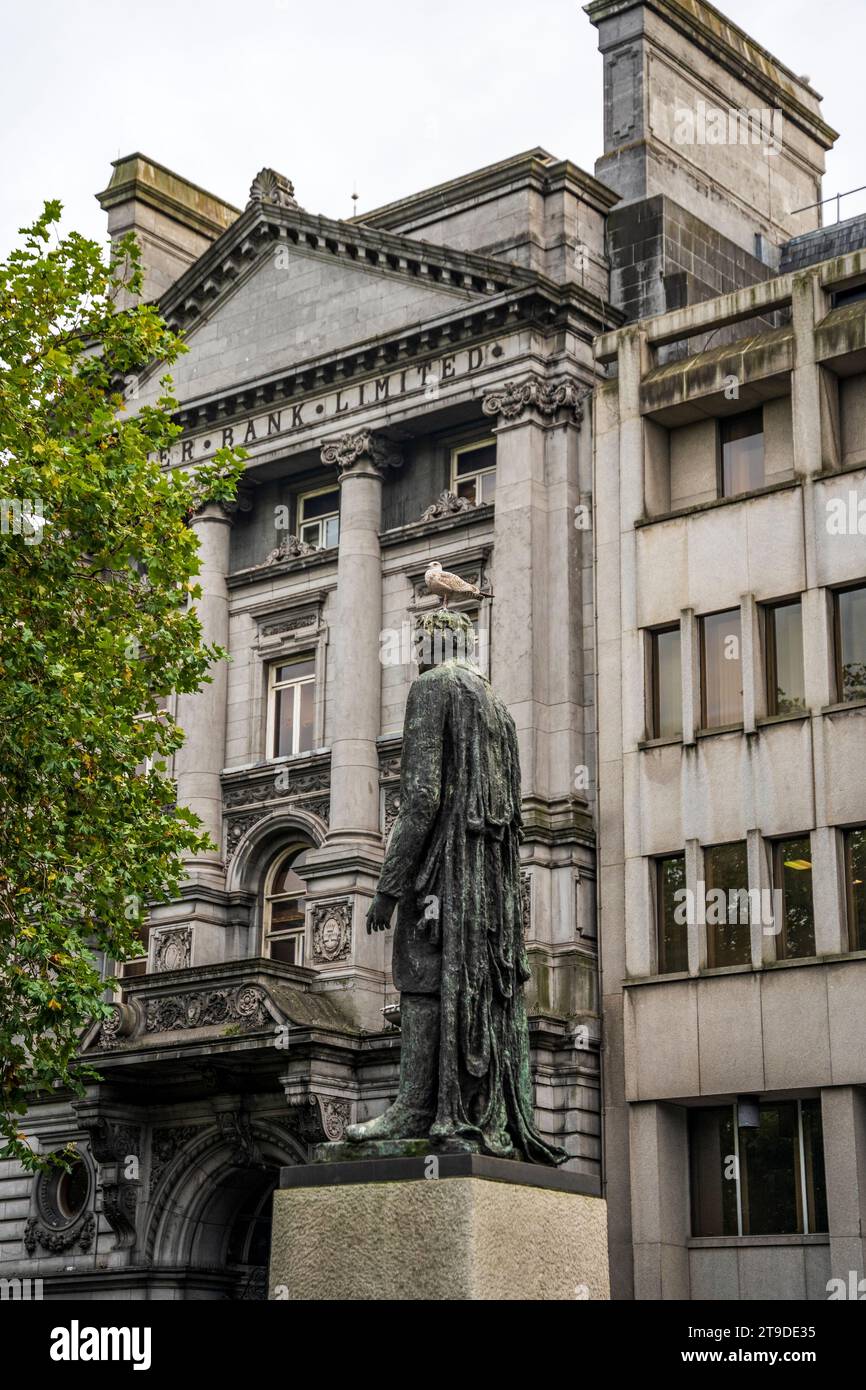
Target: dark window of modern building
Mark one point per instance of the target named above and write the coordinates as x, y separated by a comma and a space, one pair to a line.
473, 471
850, 625
741, 445
854, 292
786, 686
726, 880
721, 670
855, 880
671, 917
792, 877
666, 683
291, 703
757, 1170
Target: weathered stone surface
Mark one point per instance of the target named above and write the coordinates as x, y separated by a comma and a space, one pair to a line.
438, 1238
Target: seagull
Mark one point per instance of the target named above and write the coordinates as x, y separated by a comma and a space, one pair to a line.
446, 585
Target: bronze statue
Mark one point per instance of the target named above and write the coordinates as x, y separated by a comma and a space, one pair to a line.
452, 870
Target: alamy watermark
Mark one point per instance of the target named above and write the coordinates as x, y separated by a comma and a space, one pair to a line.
23, 516
704, 124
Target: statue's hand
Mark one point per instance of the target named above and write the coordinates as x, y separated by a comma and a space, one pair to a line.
380, 912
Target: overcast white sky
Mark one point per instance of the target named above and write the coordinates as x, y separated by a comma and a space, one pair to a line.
385, 95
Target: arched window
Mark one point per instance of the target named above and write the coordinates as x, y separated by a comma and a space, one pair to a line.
284, 908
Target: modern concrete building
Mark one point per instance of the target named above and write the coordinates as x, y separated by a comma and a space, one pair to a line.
421, 383
730, 508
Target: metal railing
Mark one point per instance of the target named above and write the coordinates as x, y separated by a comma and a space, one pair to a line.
835, 198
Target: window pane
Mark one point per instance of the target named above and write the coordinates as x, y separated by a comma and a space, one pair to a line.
794, 877
770, 1172
295, 670
488, 487
467, 488
855, 873
813, 1148
286, 949
672, 928
667, 684
305, 737
284, 714
786, 692
722, 669
713, 1172
473, 460
851, 627
323, 504
331, 529
742, 453
728, 934
311, 533
287, 913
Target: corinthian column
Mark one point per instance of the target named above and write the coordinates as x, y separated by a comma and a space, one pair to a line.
361, 460
202, 715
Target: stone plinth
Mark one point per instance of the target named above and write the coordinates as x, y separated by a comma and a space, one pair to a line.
437, 1226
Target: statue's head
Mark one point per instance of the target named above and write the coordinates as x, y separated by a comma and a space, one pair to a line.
444, 636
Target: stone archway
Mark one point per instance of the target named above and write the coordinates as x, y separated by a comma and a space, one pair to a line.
209, 1223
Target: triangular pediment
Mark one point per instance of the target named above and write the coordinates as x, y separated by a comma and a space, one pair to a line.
281, 287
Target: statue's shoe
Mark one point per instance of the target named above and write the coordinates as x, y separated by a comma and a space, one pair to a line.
398, 1122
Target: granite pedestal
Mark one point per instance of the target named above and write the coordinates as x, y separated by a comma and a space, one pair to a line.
435, 1225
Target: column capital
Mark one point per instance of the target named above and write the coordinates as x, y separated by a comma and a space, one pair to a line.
512, 400
353, 450
210, 509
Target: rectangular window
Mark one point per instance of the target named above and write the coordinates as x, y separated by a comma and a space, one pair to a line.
666, 683
671, 925
855, 881
292, 707
721, 670
741, 440
792, 875
726, 881
473, 471
319, 517
850, 626
136, 965
757, 1171
786, 685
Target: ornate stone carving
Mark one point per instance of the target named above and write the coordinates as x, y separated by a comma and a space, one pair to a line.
332, 930
237, 1132
244, 1006
290, 625
344, 453
117, 1148
448, 504
318, 1118
120, 1024
526, 902
172, 949
80, 1234
299, 784
391, 807
515, 397
289, 548
270, 187
165, 1145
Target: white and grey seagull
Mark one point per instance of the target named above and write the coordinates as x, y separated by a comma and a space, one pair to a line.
447, 585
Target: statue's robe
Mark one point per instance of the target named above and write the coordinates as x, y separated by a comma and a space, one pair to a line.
453, 864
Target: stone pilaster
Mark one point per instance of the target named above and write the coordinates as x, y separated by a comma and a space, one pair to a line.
202, 715
361, 460
341, 875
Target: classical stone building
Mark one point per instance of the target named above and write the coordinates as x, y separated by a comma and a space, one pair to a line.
420, 383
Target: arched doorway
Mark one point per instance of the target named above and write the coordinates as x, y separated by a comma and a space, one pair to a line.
234, 1231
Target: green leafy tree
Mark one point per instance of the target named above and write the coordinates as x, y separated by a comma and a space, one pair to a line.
97, 566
